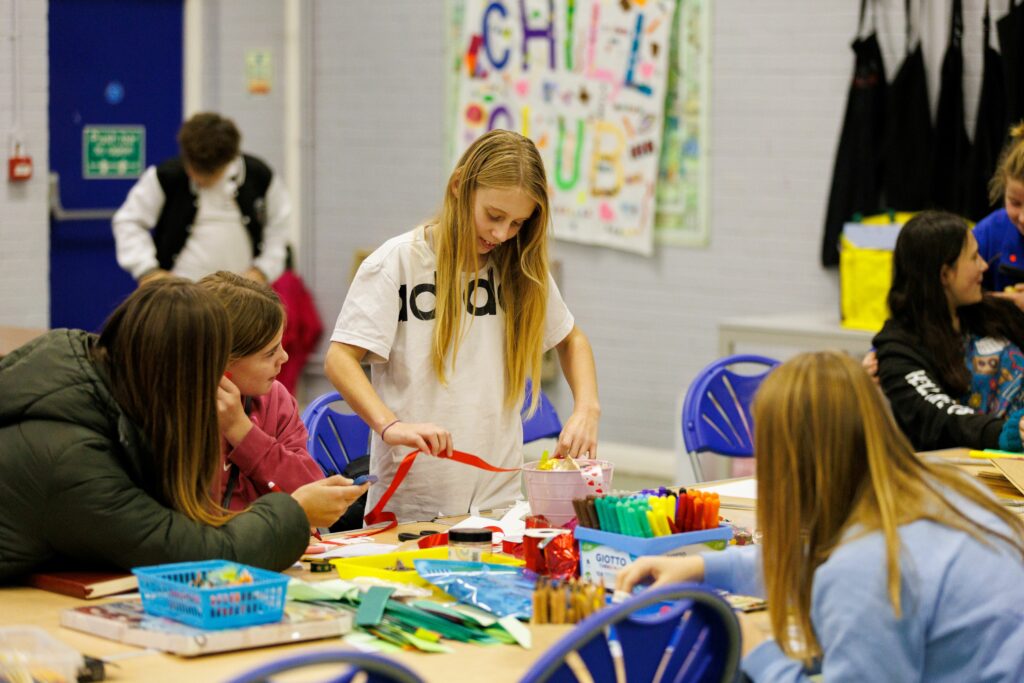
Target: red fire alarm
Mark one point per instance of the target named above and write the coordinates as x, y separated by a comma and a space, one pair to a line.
19, 166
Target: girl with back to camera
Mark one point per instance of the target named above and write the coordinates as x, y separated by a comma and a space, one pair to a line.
453, 318
877, 565
109, 447
949, 357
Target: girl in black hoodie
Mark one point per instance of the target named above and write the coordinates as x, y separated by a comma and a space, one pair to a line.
940, 323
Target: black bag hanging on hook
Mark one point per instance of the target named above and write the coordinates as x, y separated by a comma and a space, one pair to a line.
909, 136
856, 176
952, 147
1011, 44
989, 129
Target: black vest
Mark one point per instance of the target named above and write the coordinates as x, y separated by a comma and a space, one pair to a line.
174, 225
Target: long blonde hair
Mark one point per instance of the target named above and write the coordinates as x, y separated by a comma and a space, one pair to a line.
254, 311
499, 159
830, 458
1010, 165
165, 349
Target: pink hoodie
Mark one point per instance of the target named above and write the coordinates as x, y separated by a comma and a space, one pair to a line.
274, 450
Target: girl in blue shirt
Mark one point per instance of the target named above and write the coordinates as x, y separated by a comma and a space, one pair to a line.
1000, 235
877, 564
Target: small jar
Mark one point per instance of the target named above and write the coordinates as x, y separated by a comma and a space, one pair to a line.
469, 545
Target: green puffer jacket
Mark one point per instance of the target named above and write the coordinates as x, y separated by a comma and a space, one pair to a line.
77, 479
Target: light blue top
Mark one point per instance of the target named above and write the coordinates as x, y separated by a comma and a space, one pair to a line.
963, 608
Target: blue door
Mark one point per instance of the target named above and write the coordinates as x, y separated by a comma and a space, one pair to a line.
116, 64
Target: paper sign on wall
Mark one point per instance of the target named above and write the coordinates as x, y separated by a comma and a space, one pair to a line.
113, 151
585, 80
258, 71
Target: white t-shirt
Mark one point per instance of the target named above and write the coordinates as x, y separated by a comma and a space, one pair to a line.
219, 240
389, 312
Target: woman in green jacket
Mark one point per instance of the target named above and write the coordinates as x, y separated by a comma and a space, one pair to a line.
109, 447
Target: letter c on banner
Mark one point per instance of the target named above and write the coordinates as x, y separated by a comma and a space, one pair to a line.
500, 9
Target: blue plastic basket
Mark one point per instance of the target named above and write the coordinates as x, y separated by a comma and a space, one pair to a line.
168, 591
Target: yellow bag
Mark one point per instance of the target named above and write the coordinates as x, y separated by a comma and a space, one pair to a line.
865, 269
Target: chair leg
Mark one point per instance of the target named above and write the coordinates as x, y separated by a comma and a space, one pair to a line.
698, 472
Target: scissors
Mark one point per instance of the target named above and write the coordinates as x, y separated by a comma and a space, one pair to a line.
414, 535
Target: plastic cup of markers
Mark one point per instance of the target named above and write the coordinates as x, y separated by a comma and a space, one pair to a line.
551, 492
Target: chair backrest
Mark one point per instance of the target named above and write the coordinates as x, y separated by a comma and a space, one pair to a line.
542, 424
377, 669
682, 632
335, 439
716, 412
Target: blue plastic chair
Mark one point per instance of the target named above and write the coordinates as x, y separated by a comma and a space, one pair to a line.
361, 666
682, 632
716, 412
542, 424
335, 439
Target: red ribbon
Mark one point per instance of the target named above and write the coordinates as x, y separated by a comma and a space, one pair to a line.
377, 514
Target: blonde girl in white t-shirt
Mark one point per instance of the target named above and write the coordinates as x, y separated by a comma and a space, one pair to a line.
453, 318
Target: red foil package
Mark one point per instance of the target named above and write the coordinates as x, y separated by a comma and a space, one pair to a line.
551, 552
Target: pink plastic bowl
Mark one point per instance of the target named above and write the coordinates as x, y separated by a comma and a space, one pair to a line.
551, 492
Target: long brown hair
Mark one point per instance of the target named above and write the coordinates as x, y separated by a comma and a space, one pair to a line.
165, 349
254, 311
831, 459
917, 298
499, 159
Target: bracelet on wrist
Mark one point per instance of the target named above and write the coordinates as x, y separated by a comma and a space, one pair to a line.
387, 427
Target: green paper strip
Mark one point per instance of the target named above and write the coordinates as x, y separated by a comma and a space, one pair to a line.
439, 609
417, 618
478, 615
334, 589
371, 608
498, 636
517, 630
425, 645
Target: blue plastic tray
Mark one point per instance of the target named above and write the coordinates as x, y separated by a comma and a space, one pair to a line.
168, 591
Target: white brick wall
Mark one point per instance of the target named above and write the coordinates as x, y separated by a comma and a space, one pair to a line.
233, 28
24, 222
379, 165
780, 72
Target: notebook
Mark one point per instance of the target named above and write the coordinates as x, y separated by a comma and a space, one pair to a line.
84, 584
735, 493
126, 622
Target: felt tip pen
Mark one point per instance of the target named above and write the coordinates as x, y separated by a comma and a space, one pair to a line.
365, 478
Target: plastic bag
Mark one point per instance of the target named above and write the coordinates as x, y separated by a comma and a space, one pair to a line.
498, 589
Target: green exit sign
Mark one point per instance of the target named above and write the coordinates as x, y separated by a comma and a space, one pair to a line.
113, 151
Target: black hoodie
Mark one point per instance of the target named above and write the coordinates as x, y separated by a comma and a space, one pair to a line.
77, 480
923, 408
